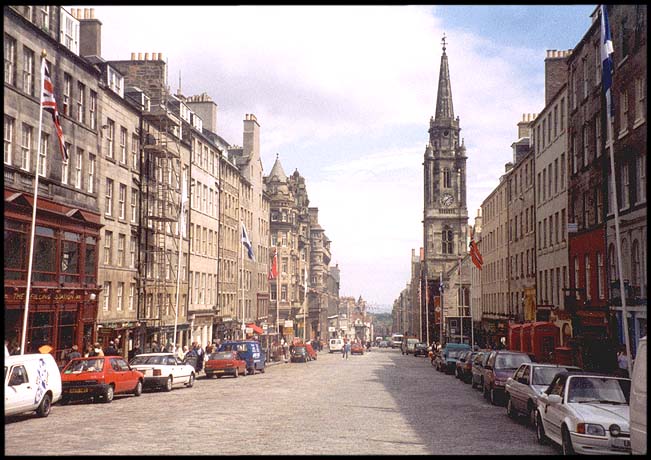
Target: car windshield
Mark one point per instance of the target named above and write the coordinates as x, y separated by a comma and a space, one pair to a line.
84, 365
455, 353
221, 355
605, 390
148, 360
545, 375
510, 361
300, 350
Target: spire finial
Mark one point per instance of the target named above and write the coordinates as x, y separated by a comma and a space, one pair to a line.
277, 156
443, 42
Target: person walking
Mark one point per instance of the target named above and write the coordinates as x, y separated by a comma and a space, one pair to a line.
111, 350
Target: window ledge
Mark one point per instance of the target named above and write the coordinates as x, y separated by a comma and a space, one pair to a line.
638, 123
622, 133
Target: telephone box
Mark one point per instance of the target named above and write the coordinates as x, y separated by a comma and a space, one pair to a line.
545, 338
515, 331
526, 338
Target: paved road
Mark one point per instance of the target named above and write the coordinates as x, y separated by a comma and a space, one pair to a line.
378, 403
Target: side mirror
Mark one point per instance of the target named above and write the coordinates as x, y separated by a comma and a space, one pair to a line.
554, 399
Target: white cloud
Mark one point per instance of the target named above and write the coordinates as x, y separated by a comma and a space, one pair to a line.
316, 74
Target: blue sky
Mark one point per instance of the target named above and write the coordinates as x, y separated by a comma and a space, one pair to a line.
344, 94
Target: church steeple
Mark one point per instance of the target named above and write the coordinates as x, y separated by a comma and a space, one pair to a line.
444, 108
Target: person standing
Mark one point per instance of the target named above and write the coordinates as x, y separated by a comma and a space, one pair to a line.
6, 348
111, 350
622, 362
73, 353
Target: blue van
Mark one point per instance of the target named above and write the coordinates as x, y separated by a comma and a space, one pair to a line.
451, 352
250, 351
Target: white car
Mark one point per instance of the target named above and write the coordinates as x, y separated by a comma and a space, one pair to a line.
527, 384
585, 413
163, 370
335, 345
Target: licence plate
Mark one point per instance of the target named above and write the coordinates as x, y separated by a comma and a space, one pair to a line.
219, 371
78, 390
621, 442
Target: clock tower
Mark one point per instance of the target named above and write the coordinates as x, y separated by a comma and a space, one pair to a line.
445, 216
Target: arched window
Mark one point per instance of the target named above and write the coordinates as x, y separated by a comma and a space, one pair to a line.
612, 264
626, 256
447, 178
448, 240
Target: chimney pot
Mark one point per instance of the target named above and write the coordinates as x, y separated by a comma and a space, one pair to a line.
73, 11
92, 13
146, 56
160, 56
133, 56
140, 56
86, 13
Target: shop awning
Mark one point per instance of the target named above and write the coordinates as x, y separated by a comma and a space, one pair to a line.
257, 329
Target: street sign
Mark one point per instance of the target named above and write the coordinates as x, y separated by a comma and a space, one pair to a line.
249, 330
289, 323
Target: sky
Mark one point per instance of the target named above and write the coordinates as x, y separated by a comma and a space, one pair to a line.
344, 94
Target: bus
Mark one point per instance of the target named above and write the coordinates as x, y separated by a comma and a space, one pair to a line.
396, 340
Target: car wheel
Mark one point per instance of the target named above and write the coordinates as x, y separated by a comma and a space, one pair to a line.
509, 407
262, 370
108, 394
219, 376
45, 406
540, 430
531, 414
190, 383
168, 384
566, 442
237, 373
138, 390
493, 397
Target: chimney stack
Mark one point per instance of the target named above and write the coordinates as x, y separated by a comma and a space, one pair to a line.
90, 32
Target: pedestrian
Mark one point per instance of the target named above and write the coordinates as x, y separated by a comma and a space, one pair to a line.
73, 353
111, 350
154, 347
96, 350
200, 356
622, 362
181, 352
135, 350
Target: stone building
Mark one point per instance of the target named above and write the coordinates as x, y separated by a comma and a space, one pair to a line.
549, 135
445, 216
629, 32
319, 257
475, 281
65, 289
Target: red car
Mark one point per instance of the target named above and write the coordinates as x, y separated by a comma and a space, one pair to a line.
356, 348
99, 378
224, 363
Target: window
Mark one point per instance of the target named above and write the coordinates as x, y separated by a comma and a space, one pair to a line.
134, 205
625, 186
92, 109
600, 274
45, 17
555, 175
71, 34
42, 160
562, 171
132, 293
65, 171
623, 112
67, 92
555, 120
585, 77
640, 171
28, 71
599, 206
9, 138
588, 294
132, 252
597, 135
544, 184
134, 151
122, 240
119, 295
123, 145
91, 173
108, 209
107, 296
556, 228
563, 228
544, 128
549, 183
448, 241
636, 279
576, 277
10, 60
122, 201
447, 178
573, 92
584, 150
110, 136
79, 168
639, 100
26, 146
108, 243
562, 114
81, 98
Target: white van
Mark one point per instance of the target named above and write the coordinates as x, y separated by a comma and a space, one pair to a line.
335, 345
32, 383
637, 406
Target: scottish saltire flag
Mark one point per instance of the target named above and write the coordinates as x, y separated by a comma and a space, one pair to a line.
49, 103
606, 60
247, 242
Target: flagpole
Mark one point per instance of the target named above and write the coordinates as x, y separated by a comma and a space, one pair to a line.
277, 294
242, 279
426, 310
178, 267
304, 312
31, 241
441, 306
420, 316
606, 50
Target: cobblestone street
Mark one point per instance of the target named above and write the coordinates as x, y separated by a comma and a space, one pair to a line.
378, 403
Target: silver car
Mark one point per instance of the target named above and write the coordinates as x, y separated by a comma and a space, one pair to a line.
529, 382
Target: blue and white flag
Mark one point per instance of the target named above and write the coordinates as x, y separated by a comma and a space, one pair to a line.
606, 60
441, 282
247, 242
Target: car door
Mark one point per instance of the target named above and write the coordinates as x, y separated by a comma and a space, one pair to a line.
127, 377
19, 391
489, 374
524, 387
118, 376
171, 367
515, 388
554, 411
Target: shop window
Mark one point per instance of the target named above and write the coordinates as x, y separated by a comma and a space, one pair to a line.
44, 264
15, 250
70, 251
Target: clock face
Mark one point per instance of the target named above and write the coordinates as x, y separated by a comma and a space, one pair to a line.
447, 200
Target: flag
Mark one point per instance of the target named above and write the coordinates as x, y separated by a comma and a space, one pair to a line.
184, 205
50, 104
441, 282
247, 243
475, 255
606, 61
273, 274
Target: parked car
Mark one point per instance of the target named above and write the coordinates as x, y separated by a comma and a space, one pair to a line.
335, 345
299, 354
356, 348
461, 361
250, 351
421, 349
99, 378
408, 344
638, 401
465, 367
477, 371
32, 383
450, 354
164, 370
383, 344
585, 413
501, 365
223, 363
529, 382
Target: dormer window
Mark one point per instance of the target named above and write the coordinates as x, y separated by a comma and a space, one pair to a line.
115, 81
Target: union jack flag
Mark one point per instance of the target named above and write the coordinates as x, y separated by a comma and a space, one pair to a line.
50, 104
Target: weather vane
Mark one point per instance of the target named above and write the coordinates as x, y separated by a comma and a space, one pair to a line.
443, 41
